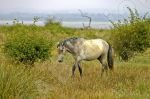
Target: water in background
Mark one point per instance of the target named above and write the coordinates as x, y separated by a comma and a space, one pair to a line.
73, 24
103, 25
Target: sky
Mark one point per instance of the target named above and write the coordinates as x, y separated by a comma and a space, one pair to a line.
103, 6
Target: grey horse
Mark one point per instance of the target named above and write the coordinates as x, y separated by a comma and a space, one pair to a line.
83, 49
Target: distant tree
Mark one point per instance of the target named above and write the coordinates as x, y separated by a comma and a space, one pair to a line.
51, 20
85, 16
35, 19
22, 22
15, 21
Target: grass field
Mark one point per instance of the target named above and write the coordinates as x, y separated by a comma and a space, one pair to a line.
130, 80
52, 80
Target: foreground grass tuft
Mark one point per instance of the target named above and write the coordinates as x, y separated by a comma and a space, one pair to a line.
17, 82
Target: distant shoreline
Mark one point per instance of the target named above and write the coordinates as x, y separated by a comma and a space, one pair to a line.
73, 24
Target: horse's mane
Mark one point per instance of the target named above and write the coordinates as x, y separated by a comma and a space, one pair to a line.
71, 40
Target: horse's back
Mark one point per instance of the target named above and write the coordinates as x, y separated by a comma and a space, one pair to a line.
94, 48
96, 43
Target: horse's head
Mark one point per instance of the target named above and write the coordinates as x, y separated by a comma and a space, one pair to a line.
61, 50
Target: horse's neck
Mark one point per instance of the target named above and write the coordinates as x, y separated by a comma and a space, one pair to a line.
69, 47
73, 47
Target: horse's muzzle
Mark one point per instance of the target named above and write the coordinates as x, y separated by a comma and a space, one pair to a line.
60, 61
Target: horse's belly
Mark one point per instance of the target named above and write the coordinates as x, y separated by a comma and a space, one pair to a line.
90, 58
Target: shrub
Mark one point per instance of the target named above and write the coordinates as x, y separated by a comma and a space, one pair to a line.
130, 36
28, 47
51, 21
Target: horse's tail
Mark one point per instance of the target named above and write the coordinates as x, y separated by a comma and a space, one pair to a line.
110, 58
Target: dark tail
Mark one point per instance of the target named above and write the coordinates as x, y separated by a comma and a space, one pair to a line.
110, 58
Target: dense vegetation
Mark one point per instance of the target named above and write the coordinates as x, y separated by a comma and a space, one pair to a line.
52, 80
27, 47
131, 35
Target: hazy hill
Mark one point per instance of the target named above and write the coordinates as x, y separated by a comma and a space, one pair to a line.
63, 16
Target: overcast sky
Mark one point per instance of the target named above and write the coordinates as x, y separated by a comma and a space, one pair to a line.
7, 6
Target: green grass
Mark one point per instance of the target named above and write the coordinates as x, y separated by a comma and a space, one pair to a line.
52, 80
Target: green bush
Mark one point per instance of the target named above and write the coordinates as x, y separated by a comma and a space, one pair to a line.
51, 21
28, 47
130, 36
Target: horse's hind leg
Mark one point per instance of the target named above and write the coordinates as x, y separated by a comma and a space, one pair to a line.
104, 68
103, 61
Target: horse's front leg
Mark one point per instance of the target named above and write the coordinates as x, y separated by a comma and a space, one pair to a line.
73, 69
80, 69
